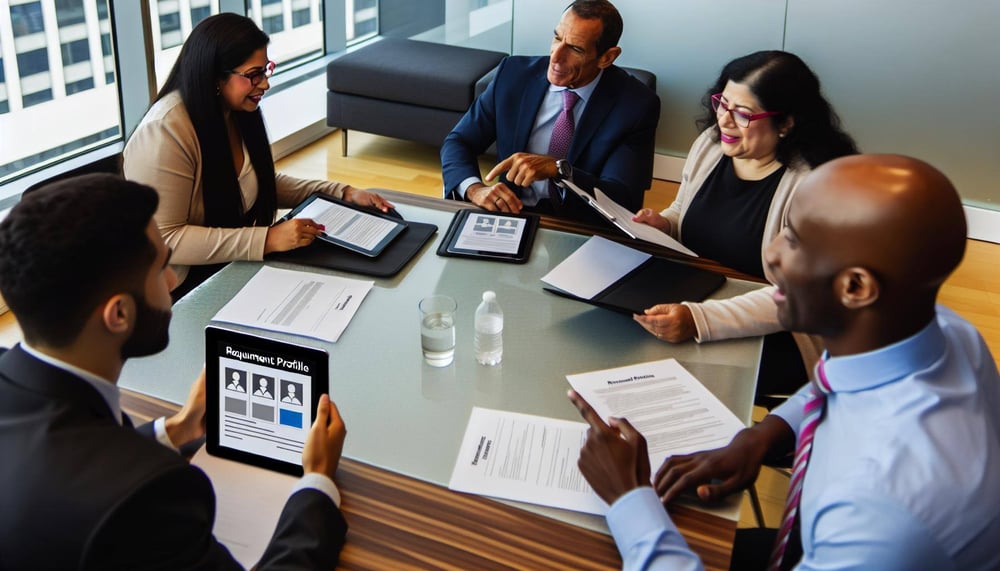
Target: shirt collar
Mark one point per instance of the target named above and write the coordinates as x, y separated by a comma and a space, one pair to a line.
864, 371
108, 390
584, 92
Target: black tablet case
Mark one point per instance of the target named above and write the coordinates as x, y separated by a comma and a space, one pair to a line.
657, 280
458, 221
387, 264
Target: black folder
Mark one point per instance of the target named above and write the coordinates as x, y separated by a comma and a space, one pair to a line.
388, 263
657, 280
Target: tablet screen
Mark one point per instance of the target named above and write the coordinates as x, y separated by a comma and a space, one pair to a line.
261, 398
346, 226
490, 235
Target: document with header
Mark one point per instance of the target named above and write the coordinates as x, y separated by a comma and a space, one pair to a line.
664, 402
525, 458
301, 303
621, 217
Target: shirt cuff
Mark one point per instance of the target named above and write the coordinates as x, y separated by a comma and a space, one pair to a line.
465, 184
320, 482
160, 431
638, 515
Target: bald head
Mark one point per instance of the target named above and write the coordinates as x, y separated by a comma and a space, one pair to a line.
868, 242
898, 216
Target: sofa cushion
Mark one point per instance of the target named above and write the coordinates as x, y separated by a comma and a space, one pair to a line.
414, 72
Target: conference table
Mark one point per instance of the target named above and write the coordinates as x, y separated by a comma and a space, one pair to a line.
406, 419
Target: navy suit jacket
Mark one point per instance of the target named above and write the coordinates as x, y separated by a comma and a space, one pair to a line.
79, 491
613, 143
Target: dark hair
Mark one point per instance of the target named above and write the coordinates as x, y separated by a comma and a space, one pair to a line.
611, 21
782, 82
68, 246
216, 46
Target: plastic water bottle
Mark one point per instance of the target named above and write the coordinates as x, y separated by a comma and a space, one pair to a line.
488, 342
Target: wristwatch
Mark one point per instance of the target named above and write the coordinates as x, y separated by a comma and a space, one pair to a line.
564, 170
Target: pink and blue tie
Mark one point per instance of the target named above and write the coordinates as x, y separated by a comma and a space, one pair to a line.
814, 408
562, 136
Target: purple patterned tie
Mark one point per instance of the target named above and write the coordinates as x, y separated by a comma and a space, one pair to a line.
562, 136
814, 407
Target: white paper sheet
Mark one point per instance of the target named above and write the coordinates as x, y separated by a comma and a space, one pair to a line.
664, 402
300, 303
347, 224
622, 218
593, 267
249, 501
525, 458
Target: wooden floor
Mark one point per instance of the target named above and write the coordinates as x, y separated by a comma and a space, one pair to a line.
380, 162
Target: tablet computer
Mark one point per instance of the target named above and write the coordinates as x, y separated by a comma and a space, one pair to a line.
362, 231
500, 236
261, 398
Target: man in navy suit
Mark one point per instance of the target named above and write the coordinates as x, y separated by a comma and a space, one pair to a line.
613, 117
87, 275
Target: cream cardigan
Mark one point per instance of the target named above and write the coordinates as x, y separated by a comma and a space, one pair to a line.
752, 313
164, 153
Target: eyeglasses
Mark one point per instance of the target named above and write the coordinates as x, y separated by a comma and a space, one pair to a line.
740, 118
257, 74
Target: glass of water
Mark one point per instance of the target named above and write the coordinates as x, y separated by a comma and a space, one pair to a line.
437, 329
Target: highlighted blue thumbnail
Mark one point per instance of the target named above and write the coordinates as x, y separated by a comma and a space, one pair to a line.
290, 418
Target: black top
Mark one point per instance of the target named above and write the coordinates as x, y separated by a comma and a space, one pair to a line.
725, 221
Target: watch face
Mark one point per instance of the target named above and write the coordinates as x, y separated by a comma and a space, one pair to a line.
564, 168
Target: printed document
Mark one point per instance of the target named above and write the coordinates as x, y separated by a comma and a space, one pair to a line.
347, 224
525, 458
594, 266
300, 303
622, 218
664, 402
249, 501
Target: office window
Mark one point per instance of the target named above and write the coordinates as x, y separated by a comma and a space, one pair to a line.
26, 19
29, 99
170, 27
57, 109
362, 20
35, 61
78, 86
300, 17
295, 28
69, 12
75, 52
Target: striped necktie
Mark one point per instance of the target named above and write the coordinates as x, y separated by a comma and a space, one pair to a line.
562, 137
814, 408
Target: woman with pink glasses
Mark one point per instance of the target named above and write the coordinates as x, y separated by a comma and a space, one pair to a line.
202, 145
766, 125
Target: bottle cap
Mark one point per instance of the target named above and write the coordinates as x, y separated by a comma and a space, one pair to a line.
489, 296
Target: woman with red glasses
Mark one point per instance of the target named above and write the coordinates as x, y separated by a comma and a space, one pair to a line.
766, 125
202, 145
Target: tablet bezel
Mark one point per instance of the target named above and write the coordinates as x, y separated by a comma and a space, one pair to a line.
462, 217
374, 252
320, 384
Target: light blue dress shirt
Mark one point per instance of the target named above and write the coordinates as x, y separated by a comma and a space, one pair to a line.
541, 134
905, 469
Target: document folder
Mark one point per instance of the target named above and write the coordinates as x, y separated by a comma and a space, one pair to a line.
657, 280
388, 263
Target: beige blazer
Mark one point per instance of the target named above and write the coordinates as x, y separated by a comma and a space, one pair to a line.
164, 153
752, 313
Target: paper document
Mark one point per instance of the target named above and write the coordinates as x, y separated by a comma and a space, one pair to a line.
594, 266
300, 303
249, 501
664, 402
525, 458
622, 218
347, 224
